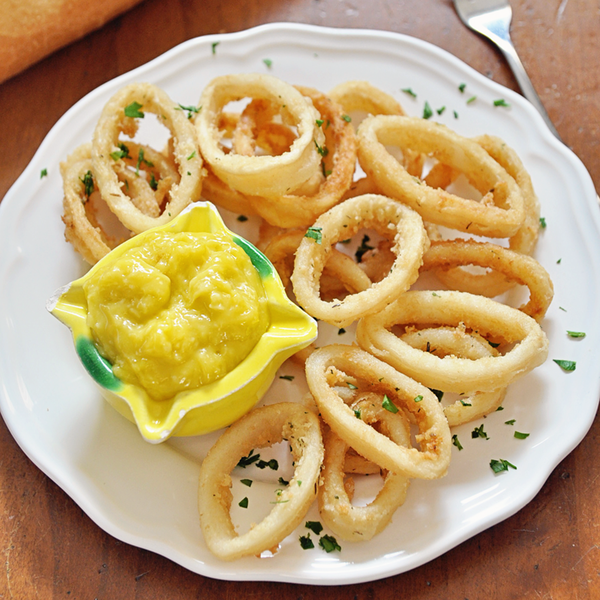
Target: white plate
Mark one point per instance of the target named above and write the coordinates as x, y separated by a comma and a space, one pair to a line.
146, 495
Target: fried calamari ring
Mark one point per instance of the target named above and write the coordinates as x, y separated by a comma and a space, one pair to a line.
265, 175
337, 361
364, 96
451, 373
113, 121
261, 427
338, 164
359, 523
443, 341
516, 267
281, 249
147, 176
498, 214
82, 228
391, 220
218, 192
492, 284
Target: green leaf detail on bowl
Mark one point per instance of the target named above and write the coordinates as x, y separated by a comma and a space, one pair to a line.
259, 260
97, 366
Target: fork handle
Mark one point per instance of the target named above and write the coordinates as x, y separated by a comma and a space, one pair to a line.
507, 48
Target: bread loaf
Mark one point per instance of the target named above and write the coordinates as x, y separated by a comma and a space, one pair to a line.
32, 29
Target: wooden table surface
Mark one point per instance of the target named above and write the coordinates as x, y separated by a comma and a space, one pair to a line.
550, 549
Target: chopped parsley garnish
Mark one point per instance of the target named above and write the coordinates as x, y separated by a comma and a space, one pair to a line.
520, 435
282, 481
438, 394
341, 331
418, 398
272, 464
500, 465
566, 365
314, 526
409, 92
462, 87
471, 99
543, 222
329, 543
88, 183
510, 422
500, 408
455, 115
427, 112
191, 110
268, 62
319, 122
347, 118
326, 172
153, 182
441, 110
351, 385
133, 110
43, 173
363, 248
214, 47
305, 542
191, 155
456, 442
122, 152
247, 482
287, 377
322, 150
389, 405
243, 503
478, 432
465, 403
141, 160
242, 218
501, 102
314, 233
248, 460
357, 413
575, 334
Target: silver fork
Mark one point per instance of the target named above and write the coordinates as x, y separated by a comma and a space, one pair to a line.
491, 18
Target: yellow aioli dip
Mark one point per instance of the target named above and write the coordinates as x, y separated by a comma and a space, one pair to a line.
177, 313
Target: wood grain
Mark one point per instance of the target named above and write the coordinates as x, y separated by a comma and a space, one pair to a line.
550, 549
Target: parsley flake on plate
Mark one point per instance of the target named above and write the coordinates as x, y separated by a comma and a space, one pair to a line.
427, 112
500, 465
305, 542
329, 543
566, 365
479, 432
314, 526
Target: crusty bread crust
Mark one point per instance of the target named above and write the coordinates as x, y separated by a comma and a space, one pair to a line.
32, 29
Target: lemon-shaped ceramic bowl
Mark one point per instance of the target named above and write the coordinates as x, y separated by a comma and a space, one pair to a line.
212, 406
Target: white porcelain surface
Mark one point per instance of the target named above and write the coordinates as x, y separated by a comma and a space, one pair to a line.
146, 495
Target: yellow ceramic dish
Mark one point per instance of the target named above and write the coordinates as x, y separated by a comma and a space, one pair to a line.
212, 406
